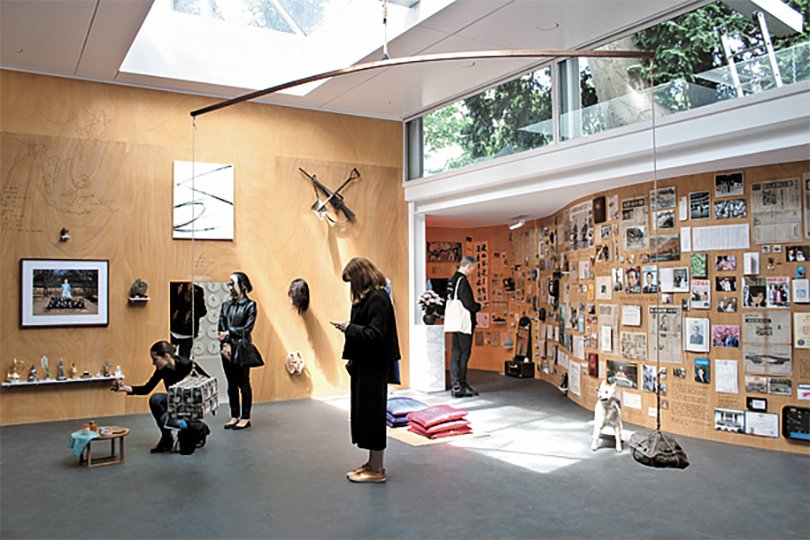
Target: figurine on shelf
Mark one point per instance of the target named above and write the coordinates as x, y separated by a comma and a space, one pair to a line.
61, 375
43, 362
106, 367
98, 374
74, 373
86, 375
117, 374
13, 376
33, 376
48, 374
138, 289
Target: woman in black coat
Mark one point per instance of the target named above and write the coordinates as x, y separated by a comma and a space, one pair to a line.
236, 320
372, 349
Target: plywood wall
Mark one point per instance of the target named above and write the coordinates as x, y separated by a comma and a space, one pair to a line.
98, 159
687, 406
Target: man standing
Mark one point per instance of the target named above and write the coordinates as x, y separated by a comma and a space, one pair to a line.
462, 343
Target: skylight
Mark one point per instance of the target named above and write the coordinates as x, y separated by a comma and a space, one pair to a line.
254, 44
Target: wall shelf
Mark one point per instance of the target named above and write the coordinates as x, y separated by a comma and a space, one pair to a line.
54, 381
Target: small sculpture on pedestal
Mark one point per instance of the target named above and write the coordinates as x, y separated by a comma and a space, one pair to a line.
106, 367
43, 362
61, 375
74, 373
33, 376
138, 289
117, 374
98, 373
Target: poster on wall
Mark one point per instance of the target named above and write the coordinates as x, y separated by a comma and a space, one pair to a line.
203, 201
767, 344
700, 295
574, 376
778, 291
755, 292
444, 252
581, 226
776, 212
635, 225
613, 208
664, 334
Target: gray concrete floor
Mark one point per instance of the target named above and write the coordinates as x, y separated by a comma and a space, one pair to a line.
534, 476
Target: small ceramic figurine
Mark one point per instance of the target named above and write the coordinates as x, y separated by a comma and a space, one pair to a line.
106, 367
33, 376
74, 373
117, 374
98, 374
61, 375
86, 375
47, 374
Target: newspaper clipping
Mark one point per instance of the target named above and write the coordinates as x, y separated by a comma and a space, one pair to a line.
635, 233
634, 345
701, 294
767, 343
581, 226
776, 209
609, 322
664, 329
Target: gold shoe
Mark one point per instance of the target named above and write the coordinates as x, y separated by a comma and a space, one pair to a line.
358, 470
368, 476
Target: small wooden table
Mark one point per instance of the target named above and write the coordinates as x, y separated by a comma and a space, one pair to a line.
118, 433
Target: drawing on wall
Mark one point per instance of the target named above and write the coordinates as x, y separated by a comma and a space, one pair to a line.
203, 201
444, 252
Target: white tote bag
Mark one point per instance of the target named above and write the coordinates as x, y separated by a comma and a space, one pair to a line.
456, 316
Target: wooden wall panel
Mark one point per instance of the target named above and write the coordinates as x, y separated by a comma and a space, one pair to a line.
690, 405
98, 159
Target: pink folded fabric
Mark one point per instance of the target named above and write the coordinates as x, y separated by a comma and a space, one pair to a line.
449, 433
436, 415
445, 426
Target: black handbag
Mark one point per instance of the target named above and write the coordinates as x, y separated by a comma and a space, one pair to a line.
246, 354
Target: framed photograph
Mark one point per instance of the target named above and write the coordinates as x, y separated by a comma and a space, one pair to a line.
728, 185
696, 335
730, 209
64, 292
725, 263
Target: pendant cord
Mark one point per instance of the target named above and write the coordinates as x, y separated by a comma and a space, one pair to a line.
193, 228
657, 247
385, 30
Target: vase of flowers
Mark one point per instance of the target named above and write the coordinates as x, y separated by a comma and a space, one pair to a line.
430, 302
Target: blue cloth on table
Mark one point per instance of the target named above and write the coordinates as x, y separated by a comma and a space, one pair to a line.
78, 441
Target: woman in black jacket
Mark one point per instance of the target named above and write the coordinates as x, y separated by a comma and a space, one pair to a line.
372, 349
236, 320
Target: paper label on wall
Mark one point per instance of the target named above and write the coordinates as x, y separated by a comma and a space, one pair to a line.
607, 339
801, 330
803, 392
631, 401
631, 315
686, 239
579, 347
725, 376
762, 424
720, 237
751, 263
776, 211
683, 208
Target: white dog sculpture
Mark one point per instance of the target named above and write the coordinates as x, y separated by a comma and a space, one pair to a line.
607, 413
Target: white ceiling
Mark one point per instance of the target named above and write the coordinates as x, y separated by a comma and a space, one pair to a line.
90, 38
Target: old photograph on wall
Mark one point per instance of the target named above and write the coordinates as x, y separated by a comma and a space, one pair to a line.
581, 226
767, 343
663, 198
634, 345
664, 219
700, 294
696, 334
728, 185
776, 211
635, 217
664, 334
730, 209
624, 374
700, 205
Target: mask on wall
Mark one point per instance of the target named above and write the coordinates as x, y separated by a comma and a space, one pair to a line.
299, 295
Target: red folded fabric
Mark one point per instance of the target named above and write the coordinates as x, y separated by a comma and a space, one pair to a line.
436, 415
444, 426
441, 434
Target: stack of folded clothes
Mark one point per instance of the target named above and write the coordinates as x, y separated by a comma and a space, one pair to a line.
439, 421
396, 414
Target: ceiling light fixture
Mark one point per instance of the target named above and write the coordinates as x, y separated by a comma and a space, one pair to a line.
518, 224
543, 28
